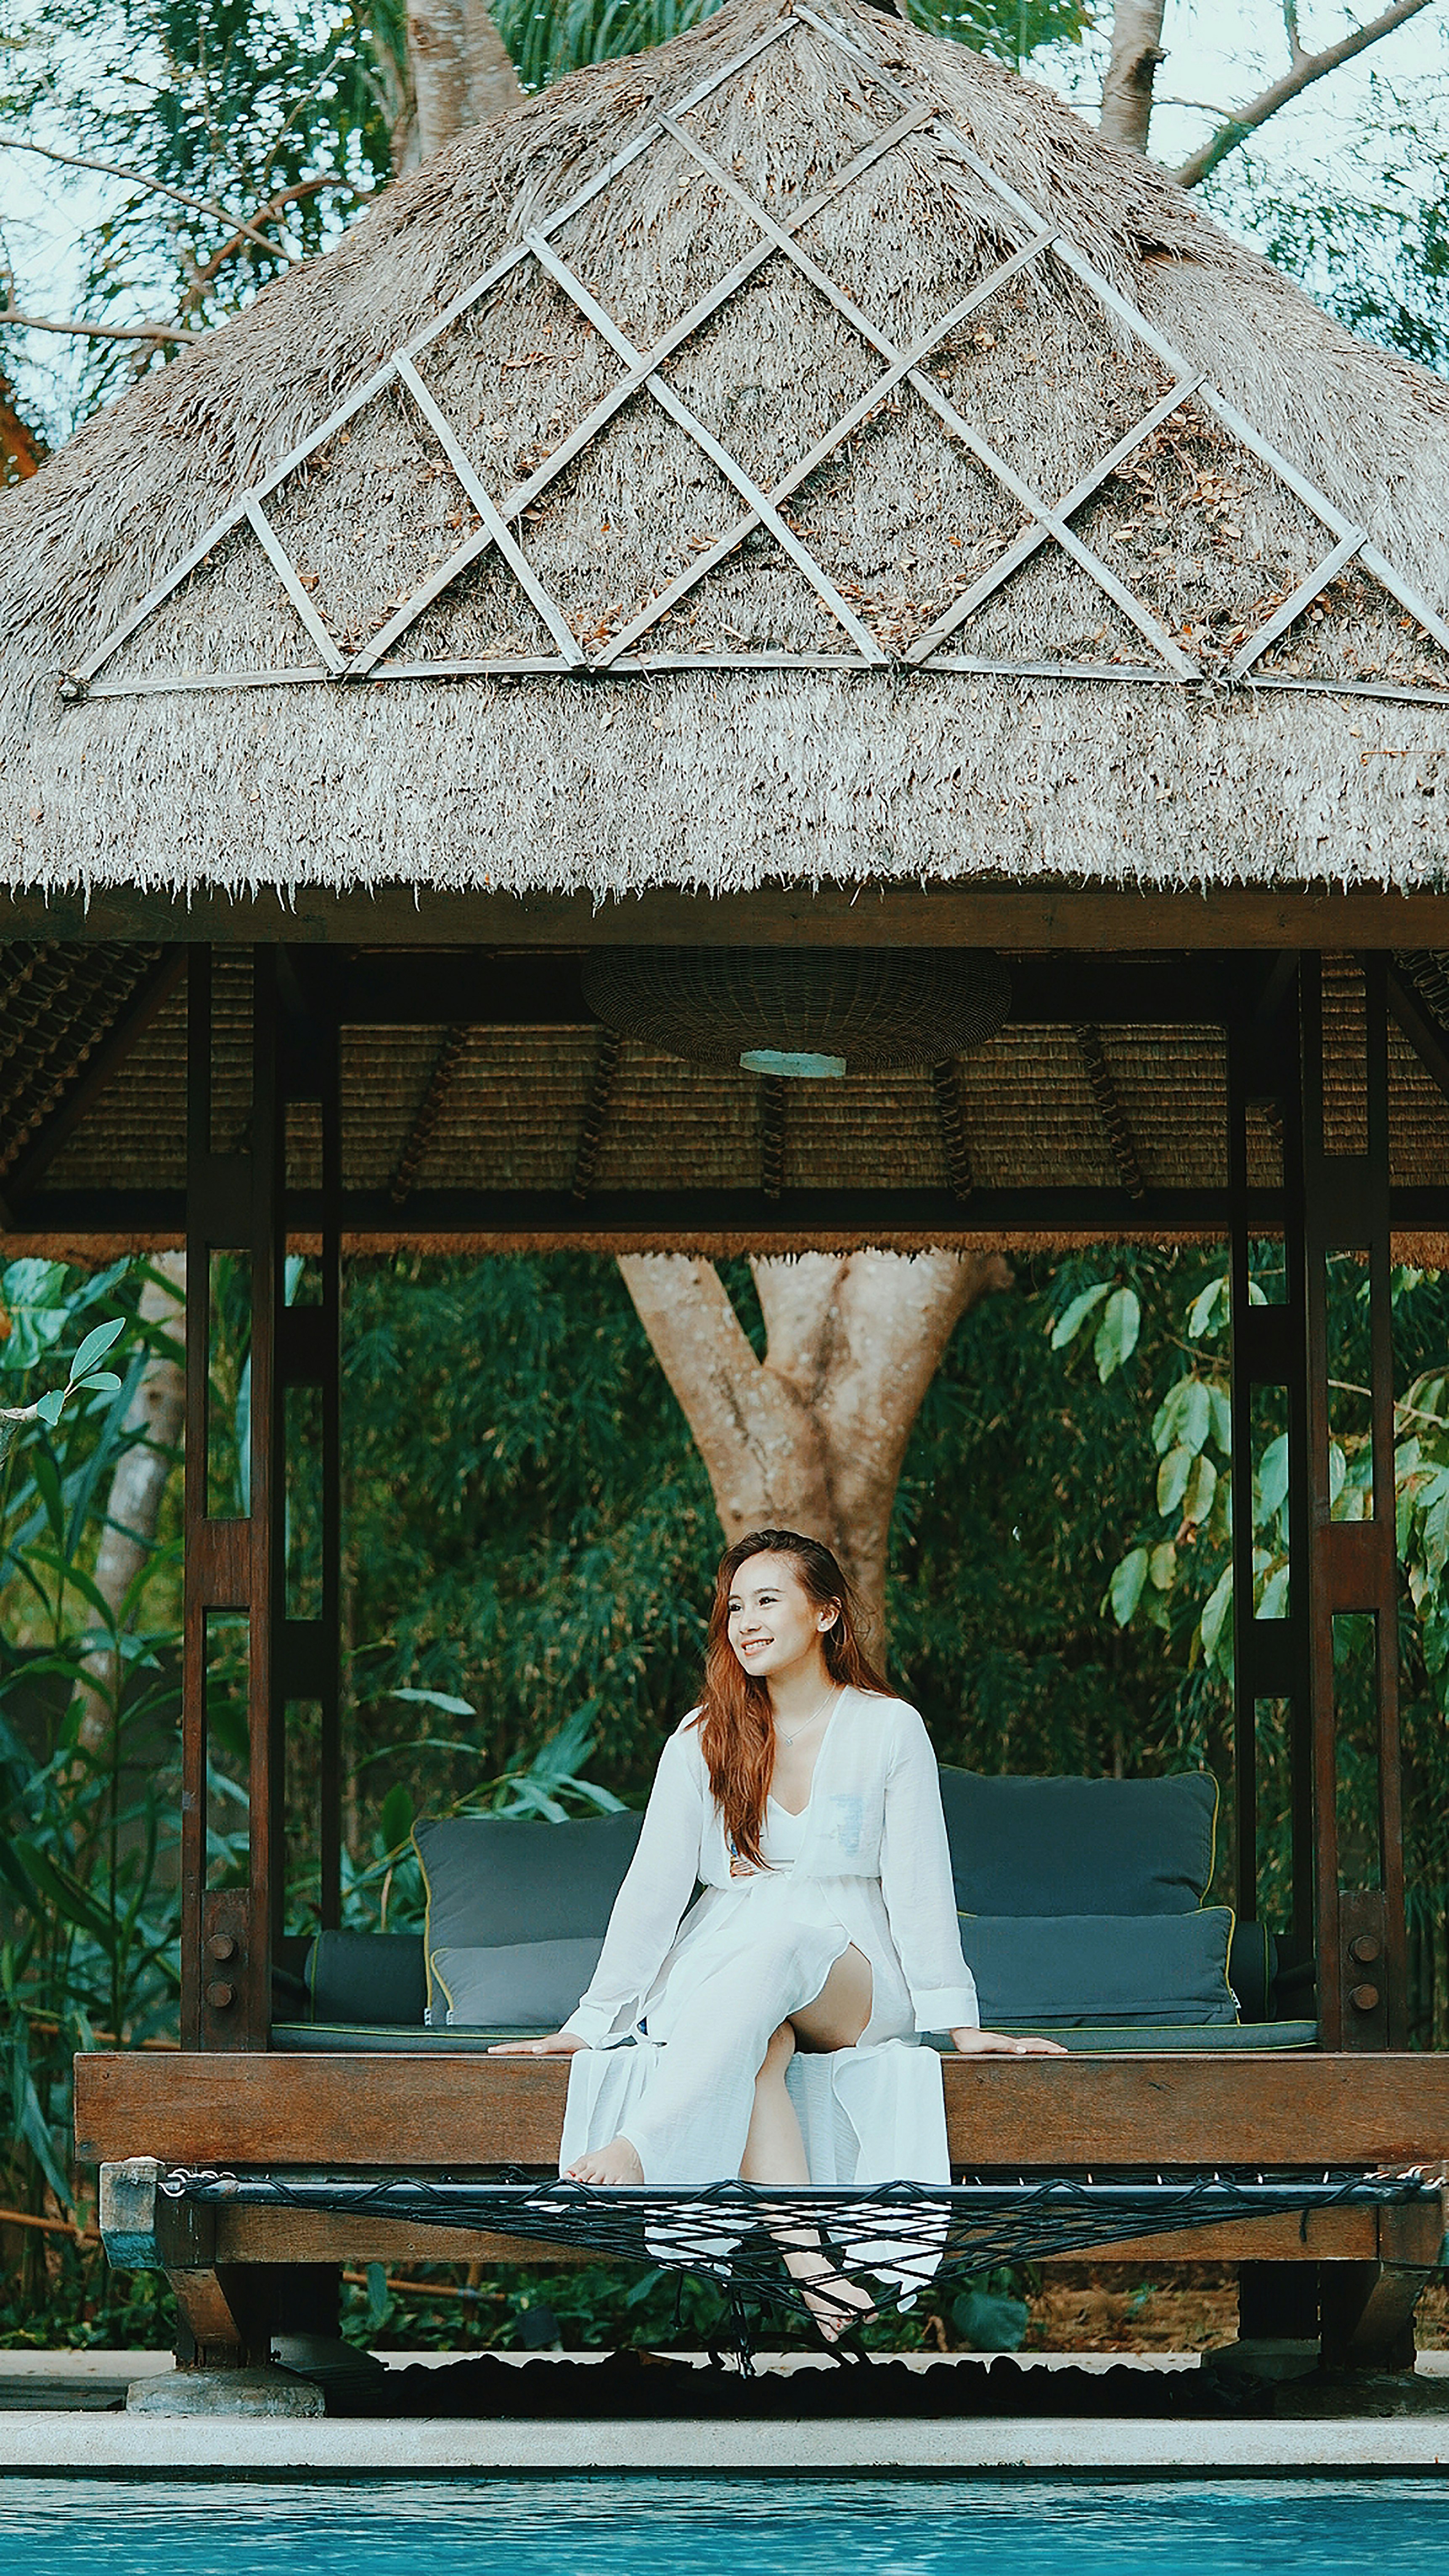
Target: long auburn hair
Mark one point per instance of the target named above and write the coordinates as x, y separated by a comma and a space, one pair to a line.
736, 1725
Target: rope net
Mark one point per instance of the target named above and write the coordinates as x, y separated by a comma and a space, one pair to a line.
896, 2238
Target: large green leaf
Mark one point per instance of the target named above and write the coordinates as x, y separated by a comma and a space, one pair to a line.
1069, 1324
31, 1302
1199, 1491
1172, 1478
1116, 1337
1125, 1590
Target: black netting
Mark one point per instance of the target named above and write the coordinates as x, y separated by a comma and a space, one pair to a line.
893, 2238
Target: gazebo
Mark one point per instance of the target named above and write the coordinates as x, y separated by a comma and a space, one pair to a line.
783, 535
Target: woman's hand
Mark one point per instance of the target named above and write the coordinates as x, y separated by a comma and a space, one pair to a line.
995, 2043
559, 2043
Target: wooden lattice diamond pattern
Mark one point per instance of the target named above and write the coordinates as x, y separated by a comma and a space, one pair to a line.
1036, 556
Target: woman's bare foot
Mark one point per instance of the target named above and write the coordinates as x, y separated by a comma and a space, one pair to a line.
616, 2163
834, 2301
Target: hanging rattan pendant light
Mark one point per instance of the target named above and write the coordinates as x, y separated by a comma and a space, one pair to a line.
804, 1014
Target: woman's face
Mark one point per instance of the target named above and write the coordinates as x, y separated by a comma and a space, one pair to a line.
774, 1626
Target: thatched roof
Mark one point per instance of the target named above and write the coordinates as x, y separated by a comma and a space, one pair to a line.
517, 609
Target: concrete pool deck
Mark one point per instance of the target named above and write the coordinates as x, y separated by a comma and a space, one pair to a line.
58, 2417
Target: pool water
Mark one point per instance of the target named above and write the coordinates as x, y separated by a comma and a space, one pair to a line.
610, 2526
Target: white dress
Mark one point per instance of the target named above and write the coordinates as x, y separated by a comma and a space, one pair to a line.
681, 2011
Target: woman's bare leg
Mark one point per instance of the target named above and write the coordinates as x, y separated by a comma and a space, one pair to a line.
775, 2150
838, 2016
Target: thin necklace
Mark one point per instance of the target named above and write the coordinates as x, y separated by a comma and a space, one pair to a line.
809, 1721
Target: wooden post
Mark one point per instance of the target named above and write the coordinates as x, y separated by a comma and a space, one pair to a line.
1360, 1933
305, 1657
1270, 1656
225, 1932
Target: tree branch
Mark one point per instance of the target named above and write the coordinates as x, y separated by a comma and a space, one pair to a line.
93, 330
1304, 71
160, 188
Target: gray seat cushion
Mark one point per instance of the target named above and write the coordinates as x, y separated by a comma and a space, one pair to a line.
530, 1985
506, 1883
1135, 1971
1039, 1846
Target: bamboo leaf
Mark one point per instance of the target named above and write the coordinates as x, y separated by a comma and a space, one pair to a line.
436, 1699
396, 1822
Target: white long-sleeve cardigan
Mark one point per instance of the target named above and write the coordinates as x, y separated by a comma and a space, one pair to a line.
873, 1869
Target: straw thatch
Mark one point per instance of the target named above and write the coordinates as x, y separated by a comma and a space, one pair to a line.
836, 755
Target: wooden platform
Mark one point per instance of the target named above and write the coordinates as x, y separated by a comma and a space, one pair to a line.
431, 2111
1054, 2114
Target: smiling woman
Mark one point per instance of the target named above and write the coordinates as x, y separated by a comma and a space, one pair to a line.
771, 2032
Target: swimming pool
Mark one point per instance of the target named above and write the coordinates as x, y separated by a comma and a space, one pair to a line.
608, 2526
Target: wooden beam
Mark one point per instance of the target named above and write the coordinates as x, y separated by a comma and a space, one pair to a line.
148, 996
961, 915
322, 2236
481, 988
98, 1220
218, 2107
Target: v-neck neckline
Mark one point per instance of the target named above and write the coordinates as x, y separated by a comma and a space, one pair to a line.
796, 1814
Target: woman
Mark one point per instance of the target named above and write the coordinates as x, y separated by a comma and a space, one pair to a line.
806, 1798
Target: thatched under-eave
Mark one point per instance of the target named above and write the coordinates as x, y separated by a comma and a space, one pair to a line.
725, 778
501, 1134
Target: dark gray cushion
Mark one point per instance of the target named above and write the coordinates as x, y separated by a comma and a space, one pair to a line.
1029, 1846
1076, 1969
375, 1977
527, 1985
496, 1882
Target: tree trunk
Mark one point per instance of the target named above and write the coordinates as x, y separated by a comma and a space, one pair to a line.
1127, 89
461, 75
813, 1436
156, 1413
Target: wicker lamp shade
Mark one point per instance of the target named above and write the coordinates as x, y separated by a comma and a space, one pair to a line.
801, 1014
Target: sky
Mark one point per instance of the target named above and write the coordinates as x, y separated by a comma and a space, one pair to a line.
1219, 54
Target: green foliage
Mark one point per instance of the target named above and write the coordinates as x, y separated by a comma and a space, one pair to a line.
87, 1831
547, 44
558, 1539
1369, 234
1177, 1578
274, 115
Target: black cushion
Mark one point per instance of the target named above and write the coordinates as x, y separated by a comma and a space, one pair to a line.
1121, 1970
1041, 1846
367, 1976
